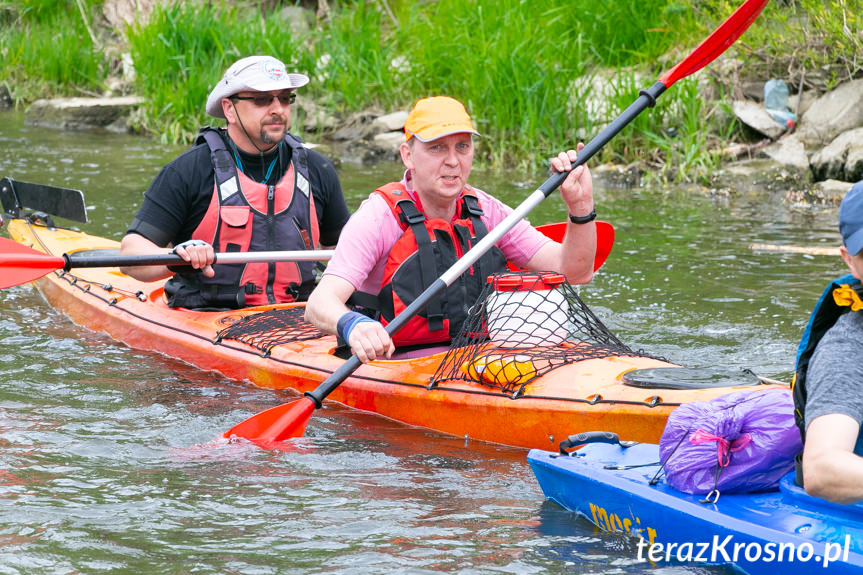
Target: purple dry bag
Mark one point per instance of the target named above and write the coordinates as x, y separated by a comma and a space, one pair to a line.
739, 442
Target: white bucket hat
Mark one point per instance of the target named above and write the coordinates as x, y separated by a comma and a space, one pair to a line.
257, 73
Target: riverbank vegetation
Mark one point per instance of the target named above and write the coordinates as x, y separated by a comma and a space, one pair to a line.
536, 76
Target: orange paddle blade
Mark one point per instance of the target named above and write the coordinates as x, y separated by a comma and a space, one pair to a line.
275, 424
20, 264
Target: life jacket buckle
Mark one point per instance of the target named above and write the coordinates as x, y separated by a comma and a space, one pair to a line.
293, 290
251, 288
409, 213
471, 206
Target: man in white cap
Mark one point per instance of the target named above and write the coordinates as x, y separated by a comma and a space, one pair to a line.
406, 234
250, 187
828, 383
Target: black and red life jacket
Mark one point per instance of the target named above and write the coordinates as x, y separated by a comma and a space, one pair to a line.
245, 216
426, 249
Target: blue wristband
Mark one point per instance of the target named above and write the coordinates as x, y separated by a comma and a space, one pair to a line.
343, 321
347, 323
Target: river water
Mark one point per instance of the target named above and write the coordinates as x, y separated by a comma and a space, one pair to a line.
99, 466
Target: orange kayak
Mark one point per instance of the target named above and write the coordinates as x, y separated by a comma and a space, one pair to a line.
575, 397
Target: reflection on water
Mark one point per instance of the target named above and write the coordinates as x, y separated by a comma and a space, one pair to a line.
102, 467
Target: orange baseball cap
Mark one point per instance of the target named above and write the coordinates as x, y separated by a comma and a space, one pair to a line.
436, 117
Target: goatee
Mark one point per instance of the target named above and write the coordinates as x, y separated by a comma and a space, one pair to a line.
268, 138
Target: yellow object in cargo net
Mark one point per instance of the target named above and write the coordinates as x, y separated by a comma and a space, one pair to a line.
500, 369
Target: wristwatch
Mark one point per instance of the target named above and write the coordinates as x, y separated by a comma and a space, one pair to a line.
583, 219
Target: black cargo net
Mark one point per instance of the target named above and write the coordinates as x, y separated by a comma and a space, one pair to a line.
267, 329
524, 325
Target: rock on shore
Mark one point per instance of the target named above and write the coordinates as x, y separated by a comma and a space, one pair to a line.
827, 144
83, 113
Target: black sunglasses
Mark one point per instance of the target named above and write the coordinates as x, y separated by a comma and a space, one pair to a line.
264, 100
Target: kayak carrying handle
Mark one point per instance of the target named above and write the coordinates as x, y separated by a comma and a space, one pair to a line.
579, 439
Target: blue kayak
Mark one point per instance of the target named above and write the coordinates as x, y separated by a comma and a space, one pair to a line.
784, 530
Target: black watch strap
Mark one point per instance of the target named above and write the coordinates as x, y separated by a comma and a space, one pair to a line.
583, 219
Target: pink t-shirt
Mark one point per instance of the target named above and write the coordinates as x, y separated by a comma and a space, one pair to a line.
372, 231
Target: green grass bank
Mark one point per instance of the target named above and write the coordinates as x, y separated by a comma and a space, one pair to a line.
536, 76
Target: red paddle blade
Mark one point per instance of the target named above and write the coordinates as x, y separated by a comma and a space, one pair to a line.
554, 231
715, 44
275, 424
604, 243
604, 240
20, 264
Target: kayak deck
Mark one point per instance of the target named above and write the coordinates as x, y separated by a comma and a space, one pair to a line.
752, 530
580, 396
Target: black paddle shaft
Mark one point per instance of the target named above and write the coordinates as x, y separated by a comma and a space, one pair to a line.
351, 365
646, 99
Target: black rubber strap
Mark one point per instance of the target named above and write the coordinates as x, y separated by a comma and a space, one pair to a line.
583, 219
425, 252
474, 211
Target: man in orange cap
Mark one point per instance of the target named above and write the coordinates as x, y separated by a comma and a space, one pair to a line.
407, 233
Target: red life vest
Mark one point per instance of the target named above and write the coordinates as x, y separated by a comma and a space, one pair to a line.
426, 249
245, 215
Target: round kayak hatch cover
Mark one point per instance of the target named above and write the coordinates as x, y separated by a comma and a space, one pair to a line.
688, 378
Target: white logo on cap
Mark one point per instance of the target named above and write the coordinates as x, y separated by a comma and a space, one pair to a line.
274, 69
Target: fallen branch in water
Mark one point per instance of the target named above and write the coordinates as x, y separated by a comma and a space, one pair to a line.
795, 249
